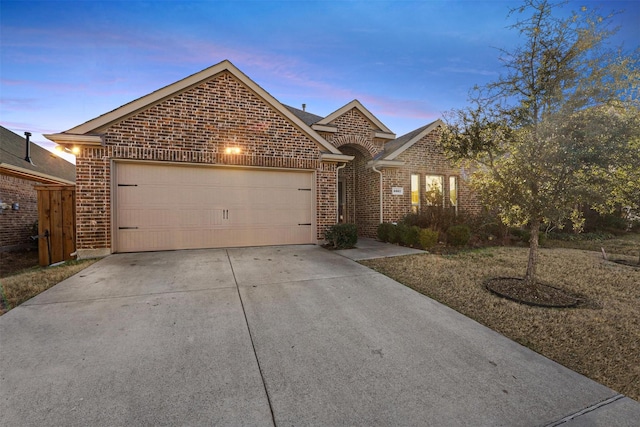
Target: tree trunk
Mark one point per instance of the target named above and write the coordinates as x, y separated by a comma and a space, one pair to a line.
530, 276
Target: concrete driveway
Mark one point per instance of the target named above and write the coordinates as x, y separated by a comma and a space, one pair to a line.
293, 335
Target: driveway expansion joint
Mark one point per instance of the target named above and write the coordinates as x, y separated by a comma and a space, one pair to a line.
586, 410
253, 346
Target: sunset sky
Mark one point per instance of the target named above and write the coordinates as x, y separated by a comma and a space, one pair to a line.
63, 63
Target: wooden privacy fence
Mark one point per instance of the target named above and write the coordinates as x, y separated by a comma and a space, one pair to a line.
56, 223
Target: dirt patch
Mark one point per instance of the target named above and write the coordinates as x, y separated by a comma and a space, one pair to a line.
13, 262
600, 340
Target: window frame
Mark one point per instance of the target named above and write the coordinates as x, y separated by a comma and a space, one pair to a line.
455, 201
415, 207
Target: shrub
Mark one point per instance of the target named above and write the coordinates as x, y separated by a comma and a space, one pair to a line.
384, 231
487, 226
395, 234
428, 238
342, 236
458, 235
409, 234
434, 217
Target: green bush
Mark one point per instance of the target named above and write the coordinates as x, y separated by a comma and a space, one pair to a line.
342, 236
409, 234
428, 238
458, 235
395, 235
384, 231
434, 217
487, 226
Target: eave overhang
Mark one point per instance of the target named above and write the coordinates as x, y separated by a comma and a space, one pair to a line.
75, 139
324, 128
385, 164
385, 135
335, 158
30, 175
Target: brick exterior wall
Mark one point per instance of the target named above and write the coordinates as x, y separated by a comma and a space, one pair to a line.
424, 158
355, 136
196, 126
17, 226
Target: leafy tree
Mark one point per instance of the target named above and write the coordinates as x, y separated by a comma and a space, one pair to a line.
556, 128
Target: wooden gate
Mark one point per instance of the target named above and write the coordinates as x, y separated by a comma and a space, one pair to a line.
56, 223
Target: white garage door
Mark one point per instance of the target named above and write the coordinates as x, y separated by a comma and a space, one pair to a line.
164, 207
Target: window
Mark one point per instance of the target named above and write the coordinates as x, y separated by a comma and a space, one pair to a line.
453, 192
434, 190
415, 193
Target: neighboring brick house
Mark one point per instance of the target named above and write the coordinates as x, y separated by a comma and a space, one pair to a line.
213, 160
18, 197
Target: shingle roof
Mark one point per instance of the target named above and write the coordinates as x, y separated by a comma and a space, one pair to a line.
45, 163
307, 118
392, 146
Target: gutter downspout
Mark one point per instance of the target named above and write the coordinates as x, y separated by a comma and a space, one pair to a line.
337, 192
380, 173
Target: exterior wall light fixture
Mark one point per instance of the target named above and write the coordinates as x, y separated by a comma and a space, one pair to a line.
75, 150
232, 150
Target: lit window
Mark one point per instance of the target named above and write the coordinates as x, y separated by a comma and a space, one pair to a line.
415, 193
434, 190
453, 192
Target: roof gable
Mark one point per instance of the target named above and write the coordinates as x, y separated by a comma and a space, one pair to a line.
394, 148
358, 106
98, 124
45, 165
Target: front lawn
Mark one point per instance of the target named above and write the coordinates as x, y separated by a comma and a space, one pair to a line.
600, 339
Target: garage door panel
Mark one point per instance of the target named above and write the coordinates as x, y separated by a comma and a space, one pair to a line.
183, 207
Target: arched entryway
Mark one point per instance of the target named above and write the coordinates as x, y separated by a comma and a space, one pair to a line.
358, 191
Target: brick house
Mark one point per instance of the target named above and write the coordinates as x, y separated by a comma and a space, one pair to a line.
18, 197
213, 160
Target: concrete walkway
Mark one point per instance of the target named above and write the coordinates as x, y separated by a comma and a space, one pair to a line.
293, 335
369, 249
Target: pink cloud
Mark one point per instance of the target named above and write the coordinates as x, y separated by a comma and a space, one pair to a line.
20, 127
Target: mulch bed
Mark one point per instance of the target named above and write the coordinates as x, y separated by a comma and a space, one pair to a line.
538, 294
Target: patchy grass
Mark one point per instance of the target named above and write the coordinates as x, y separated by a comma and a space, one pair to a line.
21, 286
627, 244
600, 340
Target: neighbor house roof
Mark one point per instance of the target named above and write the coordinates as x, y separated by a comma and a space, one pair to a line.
89, 132
44, 167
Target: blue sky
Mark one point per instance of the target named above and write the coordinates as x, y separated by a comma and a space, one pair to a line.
63, 63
